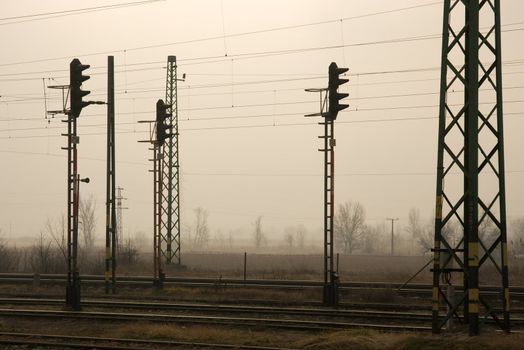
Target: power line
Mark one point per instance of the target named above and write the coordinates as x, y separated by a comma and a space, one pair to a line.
220, 37
258, 126
55, 14
280, 52
253, 174
286, 103
242, 55
39, 99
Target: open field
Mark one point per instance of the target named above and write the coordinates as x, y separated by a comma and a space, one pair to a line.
259, 266
348, 339
365, 268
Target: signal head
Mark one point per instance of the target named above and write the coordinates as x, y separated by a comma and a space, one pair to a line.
334, 96
161, 127
76, 78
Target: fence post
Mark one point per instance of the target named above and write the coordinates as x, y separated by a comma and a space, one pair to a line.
245, 266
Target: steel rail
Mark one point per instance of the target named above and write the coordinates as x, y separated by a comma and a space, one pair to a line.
160, 300
305, 325
79, 342
188, 308
231, 282
230, 309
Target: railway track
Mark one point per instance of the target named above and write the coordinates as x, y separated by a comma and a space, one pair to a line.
199, 308
362, 313
249, 322
420, 289
84, 342
411, 317
245, 315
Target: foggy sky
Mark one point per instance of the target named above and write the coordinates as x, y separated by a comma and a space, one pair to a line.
246, 149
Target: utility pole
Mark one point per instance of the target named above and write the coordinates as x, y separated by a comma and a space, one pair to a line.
111, 227
471, 142
392, 235
331, 94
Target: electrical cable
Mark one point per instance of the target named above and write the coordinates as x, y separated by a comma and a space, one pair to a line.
64, 13
220, 37
257, 126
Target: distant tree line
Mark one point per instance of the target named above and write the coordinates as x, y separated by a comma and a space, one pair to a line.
353, 234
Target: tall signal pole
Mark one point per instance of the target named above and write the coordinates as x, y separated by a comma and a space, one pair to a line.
329, 112
111, 224
169, 234
76, 78
162, 131
470, 142
75, 94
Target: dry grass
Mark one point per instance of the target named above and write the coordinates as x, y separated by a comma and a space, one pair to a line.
352, 339
371, 340
221, 294
376, 295
359, 339
497, 341
356, 339
208, 335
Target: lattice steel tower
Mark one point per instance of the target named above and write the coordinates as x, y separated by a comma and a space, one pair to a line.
470, 220
169, 234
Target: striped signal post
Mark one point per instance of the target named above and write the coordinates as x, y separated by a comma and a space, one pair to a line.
329, 112
111, 224
471, 142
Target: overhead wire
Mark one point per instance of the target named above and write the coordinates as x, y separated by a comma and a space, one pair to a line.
64, 13
250, 174
206, 59
138, 90
220, 37
430, 36
226, 84
255, 126
294, 103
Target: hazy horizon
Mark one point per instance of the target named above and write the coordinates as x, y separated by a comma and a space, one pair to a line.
259, 157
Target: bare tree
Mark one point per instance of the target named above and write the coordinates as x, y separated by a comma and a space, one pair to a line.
57, 231
42, 255
230, 239
414, 227
258, 235
426, 238
350, 225
129, 252
142, 241
201, 232
516, 235
450, 232
300, 235
289, 236
219, 239
372, 239
488, 231
87, 222
9, 257
295, 236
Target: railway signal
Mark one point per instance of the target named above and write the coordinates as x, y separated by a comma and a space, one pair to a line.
334, 96
161, 127
76, 78
330, 112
